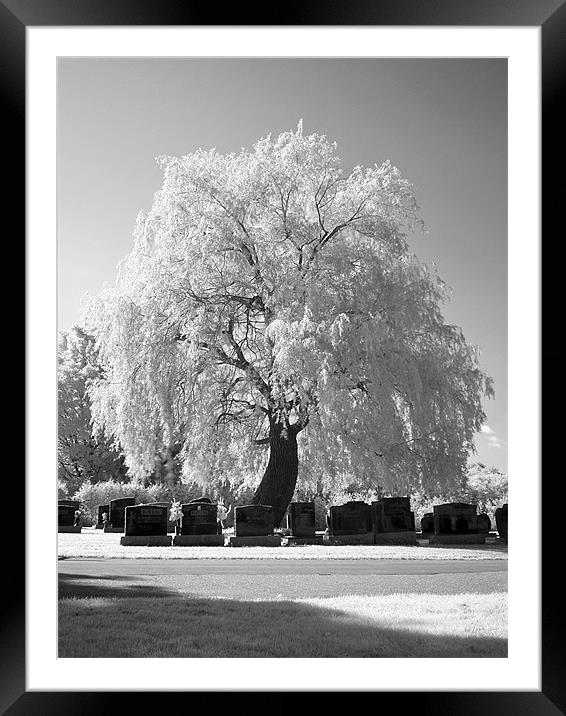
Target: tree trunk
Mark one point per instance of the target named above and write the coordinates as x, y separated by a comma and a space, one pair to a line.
165, 472
278, 482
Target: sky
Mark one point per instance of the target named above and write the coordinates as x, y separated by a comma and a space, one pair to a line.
442, 122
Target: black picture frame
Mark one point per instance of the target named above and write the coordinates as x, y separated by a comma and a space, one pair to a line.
550, 16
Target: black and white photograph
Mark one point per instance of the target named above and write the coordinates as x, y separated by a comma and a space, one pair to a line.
282, 357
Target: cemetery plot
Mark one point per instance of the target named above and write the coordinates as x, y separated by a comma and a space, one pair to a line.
199, 526
116, 513
350, 524
145, 520
253, 520
253, 526
456, 523
66, 517
393, 521
301, 522
145, 525
199, 519
427, 523
455, 518
501, 521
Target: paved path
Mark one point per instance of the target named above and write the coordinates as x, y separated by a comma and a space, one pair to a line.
266, 579
129, 567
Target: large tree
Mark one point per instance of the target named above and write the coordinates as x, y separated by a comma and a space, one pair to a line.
82, 454
271, 321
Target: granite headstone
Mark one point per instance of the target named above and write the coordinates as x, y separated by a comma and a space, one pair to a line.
253, 520
66, 515
393, 514
427, 523
144, 520
350, 519
116, 511
75, 504
199, 518
455, 518
501, 521
301, 519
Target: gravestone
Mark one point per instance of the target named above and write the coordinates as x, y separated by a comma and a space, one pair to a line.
101, 510
116, 513
75, 504
253, 526
352, 518
148, 519
253, 520
393, 521
145, 525
66, 518
300, 519
170, 524
455, 518
393, 514
484, 523
66, 515
456, 523
319, 513
427, 523
350, 523
199, 526
199, 518
301, 523
501, 521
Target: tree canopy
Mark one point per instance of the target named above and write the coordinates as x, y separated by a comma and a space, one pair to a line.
271, 298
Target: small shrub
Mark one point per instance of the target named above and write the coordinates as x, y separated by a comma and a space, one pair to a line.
100, 493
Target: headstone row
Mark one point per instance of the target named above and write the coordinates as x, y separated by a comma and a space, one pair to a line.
456, 523
385, 521
391, 521
147, 525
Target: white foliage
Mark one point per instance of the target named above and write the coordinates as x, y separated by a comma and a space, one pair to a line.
270, 284
82, 454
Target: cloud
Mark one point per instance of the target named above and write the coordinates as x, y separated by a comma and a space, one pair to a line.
492, 439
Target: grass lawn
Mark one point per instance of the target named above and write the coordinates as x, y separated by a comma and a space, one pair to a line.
390, 625
92, 543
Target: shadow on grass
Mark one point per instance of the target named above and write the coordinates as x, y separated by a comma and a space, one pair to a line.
83, 586
112, 620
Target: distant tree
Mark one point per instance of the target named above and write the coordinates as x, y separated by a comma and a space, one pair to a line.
486, 487
480, 485
81, 454
271, 315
